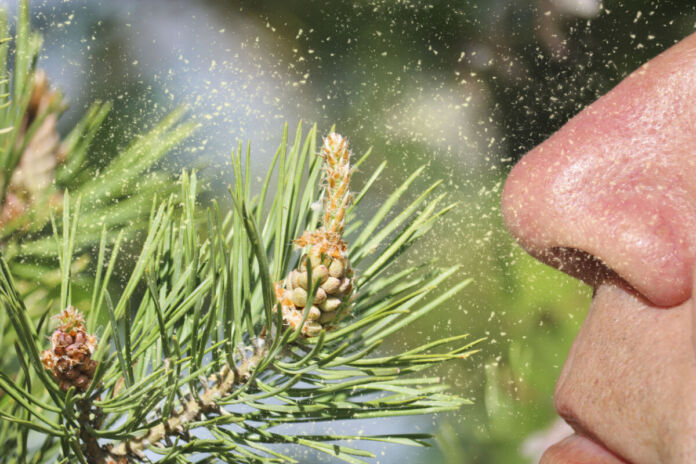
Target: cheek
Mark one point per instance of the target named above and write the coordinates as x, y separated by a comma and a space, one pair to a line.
630, 377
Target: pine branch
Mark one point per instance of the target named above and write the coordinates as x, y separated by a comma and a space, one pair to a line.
199, 337
191, 411
38, 165
203, 310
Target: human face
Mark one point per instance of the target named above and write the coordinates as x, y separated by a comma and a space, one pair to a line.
611, 199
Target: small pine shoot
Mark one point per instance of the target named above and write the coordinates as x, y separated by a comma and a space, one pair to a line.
325, 262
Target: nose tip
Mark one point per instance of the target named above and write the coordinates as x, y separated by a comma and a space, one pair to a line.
524, 195
537, 211
618, 183
565, 210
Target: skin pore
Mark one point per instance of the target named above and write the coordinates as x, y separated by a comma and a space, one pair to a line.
611, 199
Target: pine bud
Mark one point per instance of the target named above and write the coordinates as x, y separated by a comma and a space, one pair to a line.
299, 297
70, 357
35, 170
331, 285
331, 304
314, 313
328, 317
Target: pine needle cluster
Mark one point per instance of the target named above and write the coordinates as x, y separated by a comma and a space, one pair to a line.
38, 166
196, 357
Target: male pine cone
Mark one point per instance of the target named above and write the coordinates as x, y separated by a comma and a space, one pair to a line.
325, 253
35, 170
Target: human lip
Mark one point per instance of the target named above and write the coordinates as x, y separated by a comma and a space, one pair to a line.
578, 449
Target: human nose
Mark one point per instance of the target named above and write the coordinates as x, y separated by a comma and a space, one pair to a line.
615, 188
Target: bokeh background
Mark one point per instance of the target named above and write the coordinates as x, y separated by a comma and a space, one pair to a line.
464, 87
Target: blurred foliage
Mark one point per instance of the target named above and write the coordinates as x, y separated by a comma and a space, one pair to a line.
541, 61
530, 314
39, 166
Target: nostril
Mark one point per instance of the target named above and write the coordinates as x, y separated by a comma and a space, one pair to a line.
579, 264
586, 267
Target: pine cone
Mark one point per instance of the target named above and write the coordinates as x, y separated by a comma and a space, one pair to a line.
70, 357
326, 252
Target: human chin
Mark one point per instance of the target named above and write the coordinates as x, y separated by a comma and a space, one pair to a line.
628, 385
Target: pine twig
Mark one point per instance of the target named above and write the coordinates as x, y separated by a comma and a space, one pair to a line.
90, 419
38, 166
208, 293
192, 410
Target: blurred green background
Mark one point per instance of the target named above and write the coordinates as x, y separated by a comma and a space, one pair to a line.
463, 87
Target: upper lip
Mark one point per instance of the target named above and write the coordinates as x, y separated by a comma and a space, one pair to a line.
582, 449
595, 273
568, 413
571, 402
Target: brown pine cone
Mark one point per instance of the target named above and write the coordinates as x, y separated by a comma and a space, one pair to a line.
70, 357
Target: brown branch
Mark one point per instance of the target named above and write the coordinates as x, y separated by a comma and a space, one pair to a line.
88, 415
190, 411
